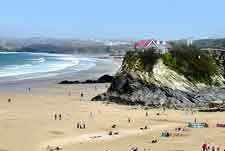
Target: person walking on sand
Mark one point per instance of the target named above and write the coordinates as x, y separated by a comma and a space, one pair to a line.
55, 116
81, 96
60, 116
9, 100
78, 124
84, 125
129, 120
146, 114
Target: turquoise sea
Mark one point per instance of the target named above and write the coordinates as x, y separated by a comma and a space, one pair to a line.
26, 65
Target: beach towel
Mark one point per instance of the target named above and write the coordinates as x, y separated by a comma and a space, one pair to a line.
220, 125
197, 125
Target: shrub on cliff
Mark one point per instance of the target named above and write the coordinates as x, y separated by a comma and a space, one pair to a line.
194, 64
140, 60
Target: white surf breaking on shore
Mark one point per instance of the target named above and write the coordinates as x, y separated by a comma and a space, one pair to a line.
35, 65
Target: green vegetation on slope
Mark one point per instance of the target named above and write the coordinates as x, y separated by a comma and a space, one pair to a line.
193, 63
140, 60
190, 61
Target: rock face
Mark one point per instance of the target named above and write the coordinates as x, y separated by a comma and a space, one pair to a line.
162, 76
161, 87
102, 79
126, 90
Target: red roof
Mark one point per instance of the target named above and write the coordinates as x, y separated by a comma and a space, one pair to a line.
143, 43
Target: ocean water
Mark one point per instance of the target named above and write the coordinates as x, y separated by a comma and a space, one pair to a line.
25, 65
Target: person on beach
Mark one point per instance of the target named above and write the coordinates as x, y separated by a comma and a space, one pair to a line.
78, 124
84, 125
213, 148
55, 116
204, 147
218, 148
9, 100
60, 116
146, 114
129, 120
81, 95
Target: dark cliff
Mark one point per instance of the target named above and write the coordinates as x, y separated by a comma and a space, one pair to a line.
168, 80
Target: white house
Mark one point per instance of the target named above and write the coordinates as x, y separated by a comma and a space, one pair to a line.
160, 46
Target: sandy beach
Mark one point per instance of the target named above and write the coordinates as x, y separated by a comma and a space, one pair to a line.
27, 123
112, 75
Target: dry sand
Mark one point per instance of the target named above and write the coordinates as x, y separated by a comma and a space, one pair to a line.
27, 123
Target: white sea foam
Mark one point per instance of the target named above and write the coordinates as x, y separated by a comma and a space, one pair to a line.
47, 54
40, 60
5, 52
47, 64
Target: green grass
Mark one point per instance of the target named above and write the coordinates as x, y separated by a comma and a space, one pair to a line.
146, 59
194, 64
190, 61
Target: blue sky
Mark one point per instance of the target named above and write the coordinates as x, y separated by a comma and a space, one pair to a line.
166, 19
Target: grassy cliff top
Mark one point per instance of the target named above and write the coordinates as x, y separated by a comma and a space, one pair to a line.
190, 61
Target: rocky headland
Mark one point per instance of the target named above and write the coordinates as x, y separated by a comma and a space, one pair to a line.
184, 77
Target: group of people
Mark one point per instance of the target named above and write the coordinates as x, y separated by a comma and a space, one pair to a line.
58, 116
81, 125
28, 89
165, 134
208, 147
